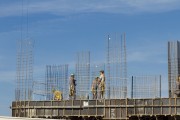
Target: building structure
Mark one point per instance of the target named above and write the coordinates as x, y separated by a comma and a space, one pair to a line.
173, 65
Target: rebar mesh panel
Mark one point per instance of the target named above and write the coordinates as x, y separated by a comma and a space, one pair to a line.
39, 92
146, 87
116, 67
56, 79
82, 75
24, 71
173, 65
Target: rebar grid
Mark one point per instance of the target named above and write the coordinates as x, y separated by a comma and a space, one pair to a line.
116, 66
173, 65
56, 79
39, 92
24, 72
146, 86
82, 75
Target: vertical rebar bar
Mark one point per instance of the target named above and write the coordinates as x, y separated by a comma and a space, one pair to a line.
82, 74
132, 87
116, 66
56, 79
24, 72
173, 65
146, 86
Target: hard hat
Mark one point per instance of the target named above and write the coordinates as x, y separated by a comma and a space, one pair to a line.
72, 75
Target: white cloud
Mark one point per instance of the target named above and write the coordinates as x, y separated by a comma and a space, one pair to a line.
64, 7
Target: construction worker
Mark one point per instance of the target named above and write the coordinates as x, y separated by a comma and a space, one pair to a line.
72, 87
57, 95
101, 85
94, 87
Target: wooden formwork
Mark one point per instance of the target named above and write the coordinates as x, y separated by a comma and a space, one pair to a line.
118, 109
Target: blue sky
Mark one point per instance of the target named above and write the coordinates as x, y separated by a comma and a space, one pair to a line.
63, 27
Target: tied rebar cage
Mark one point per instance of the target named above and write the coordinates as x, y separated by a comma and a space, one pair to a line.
146, 86
56, 79
173, 65
82, 75
116, 67
24, 72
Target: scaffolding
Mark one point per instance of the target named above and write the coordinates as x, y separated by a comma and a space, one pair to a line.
146, 86
24, 72
173, 65
116, 66
82, 75
56, 79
